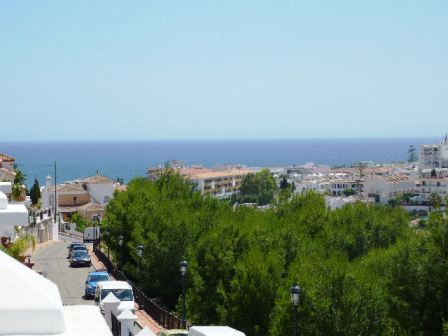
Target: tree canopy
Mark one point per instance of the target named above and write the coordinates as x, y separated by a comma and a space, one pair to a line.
258, 188
35, 192
362, 269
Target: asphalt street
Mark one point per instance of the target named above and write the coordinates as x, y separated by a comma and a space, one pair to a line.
52, 261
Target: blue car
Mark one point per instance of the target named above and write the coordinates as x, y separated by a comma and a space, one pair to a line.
92, 279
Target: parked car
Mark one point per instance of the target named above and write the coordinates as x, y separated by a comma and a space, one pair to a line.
71, 245
172, 332
214, 331
121, 289
92, 280
80, 258
91, 234
77, 248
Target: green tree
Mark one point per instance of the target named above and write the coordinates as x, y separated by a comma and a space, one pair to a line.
258, 188
35, 192
435, 200
80, 221
433, 173
284, 183
362, 269
349, 192
412, 157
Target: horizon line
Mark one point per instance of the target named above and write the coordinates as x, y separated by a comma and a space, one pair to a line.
223, 139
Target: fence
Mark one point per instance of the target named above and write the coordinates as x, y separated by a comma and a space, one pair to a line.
162, 316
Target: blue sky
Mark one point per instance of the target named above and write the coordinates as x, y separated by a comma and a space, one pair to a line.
185, 69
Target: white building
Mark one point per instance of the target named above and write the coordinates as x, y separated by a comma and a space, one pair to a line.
434, 156
386, 187
334, 203
337, 187
11, 215
89, 196
426, 185
318, 185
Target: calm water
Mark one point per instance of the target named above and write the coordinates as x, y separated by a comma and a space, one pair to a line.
128, 159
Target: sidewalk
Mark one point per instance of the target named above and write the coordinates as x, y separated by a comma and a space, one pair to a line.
143, 319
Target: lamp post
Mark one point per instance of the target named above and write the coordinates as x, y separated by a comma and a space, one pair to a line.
294, 291
140, 249
120, 243
183, 272
107, 233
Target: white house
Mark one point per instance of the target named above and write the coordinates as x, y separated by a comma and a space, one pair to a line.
89, 196
11, 215
334, 203
387, 187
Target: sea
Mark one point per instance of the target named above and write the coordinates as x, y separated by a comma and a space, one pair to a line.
129, 159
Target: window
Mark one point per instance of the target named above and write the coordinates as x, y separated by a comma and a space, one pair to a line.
106, 199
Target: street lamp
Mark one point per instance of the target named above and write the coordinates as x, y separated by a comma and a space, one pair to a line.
183, 272
295, 291
107, 234
140, 249
120, 243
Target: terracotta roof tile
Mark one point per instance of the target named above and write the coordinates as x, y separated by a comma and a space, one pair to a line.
6, 158
91, 207
98, 179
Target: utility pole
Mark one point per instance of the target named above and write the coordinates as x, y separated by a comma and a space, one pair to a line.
55, 194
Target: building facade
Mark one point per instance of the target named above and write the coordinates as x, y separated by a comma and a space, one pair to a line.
383, 188
434, 156
222, 183
88, 197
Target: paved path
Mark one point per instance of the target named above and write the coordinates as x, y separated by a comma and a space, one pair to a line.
52, 261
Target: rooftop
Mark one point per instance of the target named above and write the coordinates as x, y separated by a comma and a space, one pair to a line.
91, 207
205, 173
6, 158
98, 179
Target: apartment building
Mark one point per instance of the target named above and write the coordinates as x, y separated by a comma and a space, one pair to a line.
424, 186
337, 187
220, 183
317, 185
434, 156
384, 188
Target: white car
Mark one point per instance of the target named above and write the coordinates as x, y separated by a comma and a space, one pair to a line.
214, 331
121, 289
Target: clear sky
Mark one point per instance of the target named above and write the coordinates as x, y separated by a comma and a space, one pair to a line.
222, 69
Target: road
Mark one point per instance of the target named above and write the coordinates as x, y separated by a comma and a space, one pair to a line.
52, 261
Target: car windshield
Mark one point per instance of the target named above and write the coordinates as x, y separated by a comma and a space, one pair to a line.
79, 254
99, 277
121, 294
79, 247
